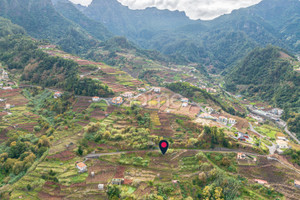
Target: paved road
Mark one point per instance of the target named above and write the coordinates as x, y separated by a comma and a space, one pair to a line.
292, 135
253, 130
222, 150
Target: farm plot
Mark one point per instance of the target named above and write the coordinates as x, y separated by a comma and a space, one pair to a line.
82, 103
271, 171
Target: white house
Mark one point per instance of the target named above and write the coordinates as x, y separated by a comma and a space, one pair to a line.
231, 121
185, 105
127, 94
57, 95
7, 88
157, 90
142, 89
281, 144
282, 138
82, 167
297, 184
7, 106
223, 119
96, 99
205, 116
100, 186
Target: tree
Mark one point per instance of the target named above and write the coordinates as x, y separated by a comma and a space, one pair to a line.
218, 195
80, 151
113, 192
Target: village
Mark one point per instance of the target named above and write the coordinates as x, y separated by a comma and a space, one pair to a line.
103, 166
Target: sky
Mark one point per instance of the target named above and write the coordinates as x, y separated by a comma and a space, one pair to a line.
194, 9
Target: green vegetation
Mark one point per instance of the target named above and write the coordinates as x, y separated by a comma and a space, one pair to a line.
268, 130
22, 54
266, 76
293, 155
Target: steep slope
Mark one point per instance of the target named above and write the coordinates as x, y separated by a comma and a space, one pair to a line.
20, 54
220, 42
69, 11
265, 73
134, 24
7, 28
268, 74
42, 21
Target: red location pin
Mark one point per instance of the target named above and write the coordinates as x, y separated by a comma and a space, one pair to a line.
163, 145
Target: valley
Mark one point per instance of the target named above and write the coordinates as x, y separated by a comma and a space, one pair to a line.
105, 133
87, 95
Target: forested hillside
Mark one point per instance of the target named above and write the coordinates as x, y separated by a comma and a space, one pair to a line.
267, 74
7, 28
21, 55
69, 11
40, 19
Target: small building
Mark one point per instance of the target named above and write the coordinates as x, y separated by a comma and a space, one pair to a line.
100, 186
231, 121
185, 105
205, 116
209, 110
7, 88
281, 144
117, 100
117, 181
297, 184
7, 106
282, 138
261, 182
81, 166
127, 94
57, 95
241, 156
211, 90
185, 100
223, 119
157, 90
142, 89
175, 181
277, 111
96, 99
4, 75
242, 136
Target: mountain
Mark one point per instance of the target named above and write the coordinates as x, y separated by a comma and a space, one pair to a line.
134, 23
40, 19
69, 11
220, 42
267, 73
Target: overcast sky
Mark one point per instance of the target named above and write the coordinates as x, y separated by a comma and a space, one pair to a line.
195, 9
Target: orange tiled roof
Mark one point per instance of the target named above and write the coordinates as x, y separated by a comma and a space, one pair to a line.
81, 165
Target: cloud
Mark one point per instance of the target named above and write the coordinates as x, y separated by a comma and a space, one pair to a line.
195, 9
82, 2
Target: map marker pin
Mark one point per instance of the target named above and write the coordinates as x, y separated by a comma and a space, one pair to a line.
163, 145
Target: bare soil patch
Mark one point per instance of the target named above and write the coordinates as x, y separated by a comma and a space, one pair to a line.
63, 156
